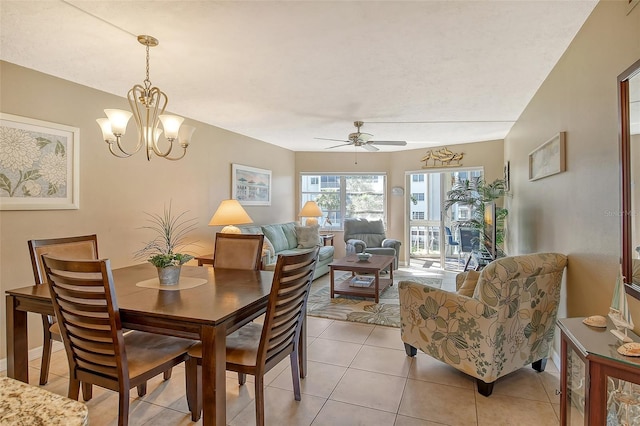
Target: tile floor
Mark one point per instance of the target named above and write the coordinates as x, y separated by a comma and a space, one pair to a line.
358, 375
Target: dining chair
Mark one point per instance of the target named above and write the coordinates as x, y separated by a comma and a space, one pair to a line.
81, 247
238, 251
257, 348
98, 351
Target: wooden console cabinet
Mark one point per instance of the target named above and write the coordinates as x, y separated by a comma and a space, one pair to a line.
598, 385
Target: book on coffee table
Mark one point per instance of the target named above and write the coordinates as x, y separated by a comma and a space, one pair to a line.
361, 281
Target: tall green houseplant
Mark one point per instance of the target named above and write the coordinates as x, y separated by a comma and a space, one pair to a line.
473, 193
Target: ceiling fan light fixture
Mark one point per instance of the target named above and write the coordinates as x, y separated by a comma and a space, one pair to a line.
363, 140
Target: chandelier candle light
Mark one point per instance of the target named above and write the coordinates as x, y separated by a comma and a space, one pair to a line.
147, 105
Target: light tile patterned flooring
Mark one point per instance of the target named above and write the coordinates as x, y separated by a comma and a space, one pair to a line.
358, 375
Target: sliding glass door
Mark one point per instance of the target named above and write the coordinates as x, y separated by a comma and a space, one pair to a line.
432, 232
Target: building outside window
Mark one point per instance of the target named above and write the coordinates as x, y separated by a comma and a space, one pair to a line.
345, 196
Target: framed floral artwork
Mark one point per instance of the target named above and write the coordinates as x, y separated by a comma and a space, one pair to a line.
250, 186
39, 164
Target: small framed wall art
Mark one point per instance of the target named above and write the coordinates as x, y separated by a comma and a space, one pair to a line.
39, 164
549, 158
250, 186
507, 176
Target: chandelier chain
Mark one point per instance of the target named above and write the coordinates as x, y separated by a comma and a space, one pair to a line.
147, 81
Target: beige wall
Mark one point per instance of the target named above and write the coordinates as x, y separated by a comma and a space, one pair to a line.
396, 165
575, 212
115, 192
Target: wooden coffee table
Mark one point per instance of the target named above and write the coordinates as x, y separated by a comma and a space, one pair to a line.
374, 265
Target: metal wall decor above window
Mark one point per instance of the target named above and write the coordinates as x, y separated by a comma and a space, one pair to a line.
147, 108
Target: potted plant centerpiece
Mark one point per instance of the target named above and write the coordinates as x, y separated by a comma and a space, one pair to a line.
162, 251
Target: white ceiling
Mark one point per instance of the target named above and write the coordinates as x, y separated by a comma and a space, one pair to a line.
285, 72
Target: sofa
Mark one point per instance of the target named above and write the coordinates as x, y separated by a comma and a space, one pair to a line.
288, 238
364, 236
498, 321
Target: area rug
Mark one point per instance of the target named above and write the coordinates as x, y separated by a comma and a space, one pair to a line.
359, 309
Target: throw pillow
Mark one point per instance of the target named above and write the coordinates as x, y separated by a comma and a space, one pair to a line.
469, 283
268, 250
308, 236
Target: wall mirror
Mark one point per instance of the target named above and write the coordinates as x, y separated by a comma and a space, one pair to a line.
629, 112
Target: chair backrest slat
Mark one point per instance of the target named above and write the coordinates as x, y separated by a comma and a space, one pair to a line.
287, 304
83, 299
238, 251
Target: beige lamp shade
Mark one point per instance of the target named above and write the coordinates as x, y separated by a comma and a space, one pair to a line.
230, 213
311, 211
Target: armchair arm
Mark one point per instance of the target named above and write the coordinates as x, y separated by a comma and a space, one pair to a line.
458, 330
460, 280
355, 246
391, 243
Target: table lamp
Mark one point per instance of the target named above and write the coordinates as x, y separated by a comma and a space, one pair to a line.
230, 213
311, 211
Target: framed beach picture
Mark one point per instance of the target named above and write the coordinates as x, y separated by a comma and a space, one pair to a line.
548, 159
250, 186
39, 164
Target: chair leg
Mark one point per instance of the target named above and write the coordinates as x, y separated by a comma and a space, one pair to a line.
46, 359
484, 388
259, 380
539, 365
295, 375
242, 378
74, 389
142, 389
123, 408
410, 350
193, 373
87, 391
167, 374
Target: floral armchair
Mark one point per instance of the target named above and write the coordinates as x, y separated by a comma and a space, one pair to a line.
509, 321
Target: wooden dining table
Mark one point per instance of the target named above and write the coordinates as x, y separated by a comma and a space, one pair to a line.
209, 312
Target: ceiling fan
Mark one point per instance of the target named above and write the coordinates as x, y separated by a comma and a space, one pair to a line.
359, 139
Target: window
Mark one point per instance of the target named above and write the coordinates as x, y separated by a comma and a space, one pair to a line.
463, 213
418, 196
342, 196
417, 178
417, 215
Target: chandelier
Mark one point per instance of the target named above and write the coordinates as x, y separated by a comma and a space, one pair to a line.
147, 107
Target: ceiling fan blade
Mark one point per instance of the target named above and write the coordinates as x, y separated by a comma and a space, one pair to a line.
364, 137
369, 147
396, 143
326, 139
337, 146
